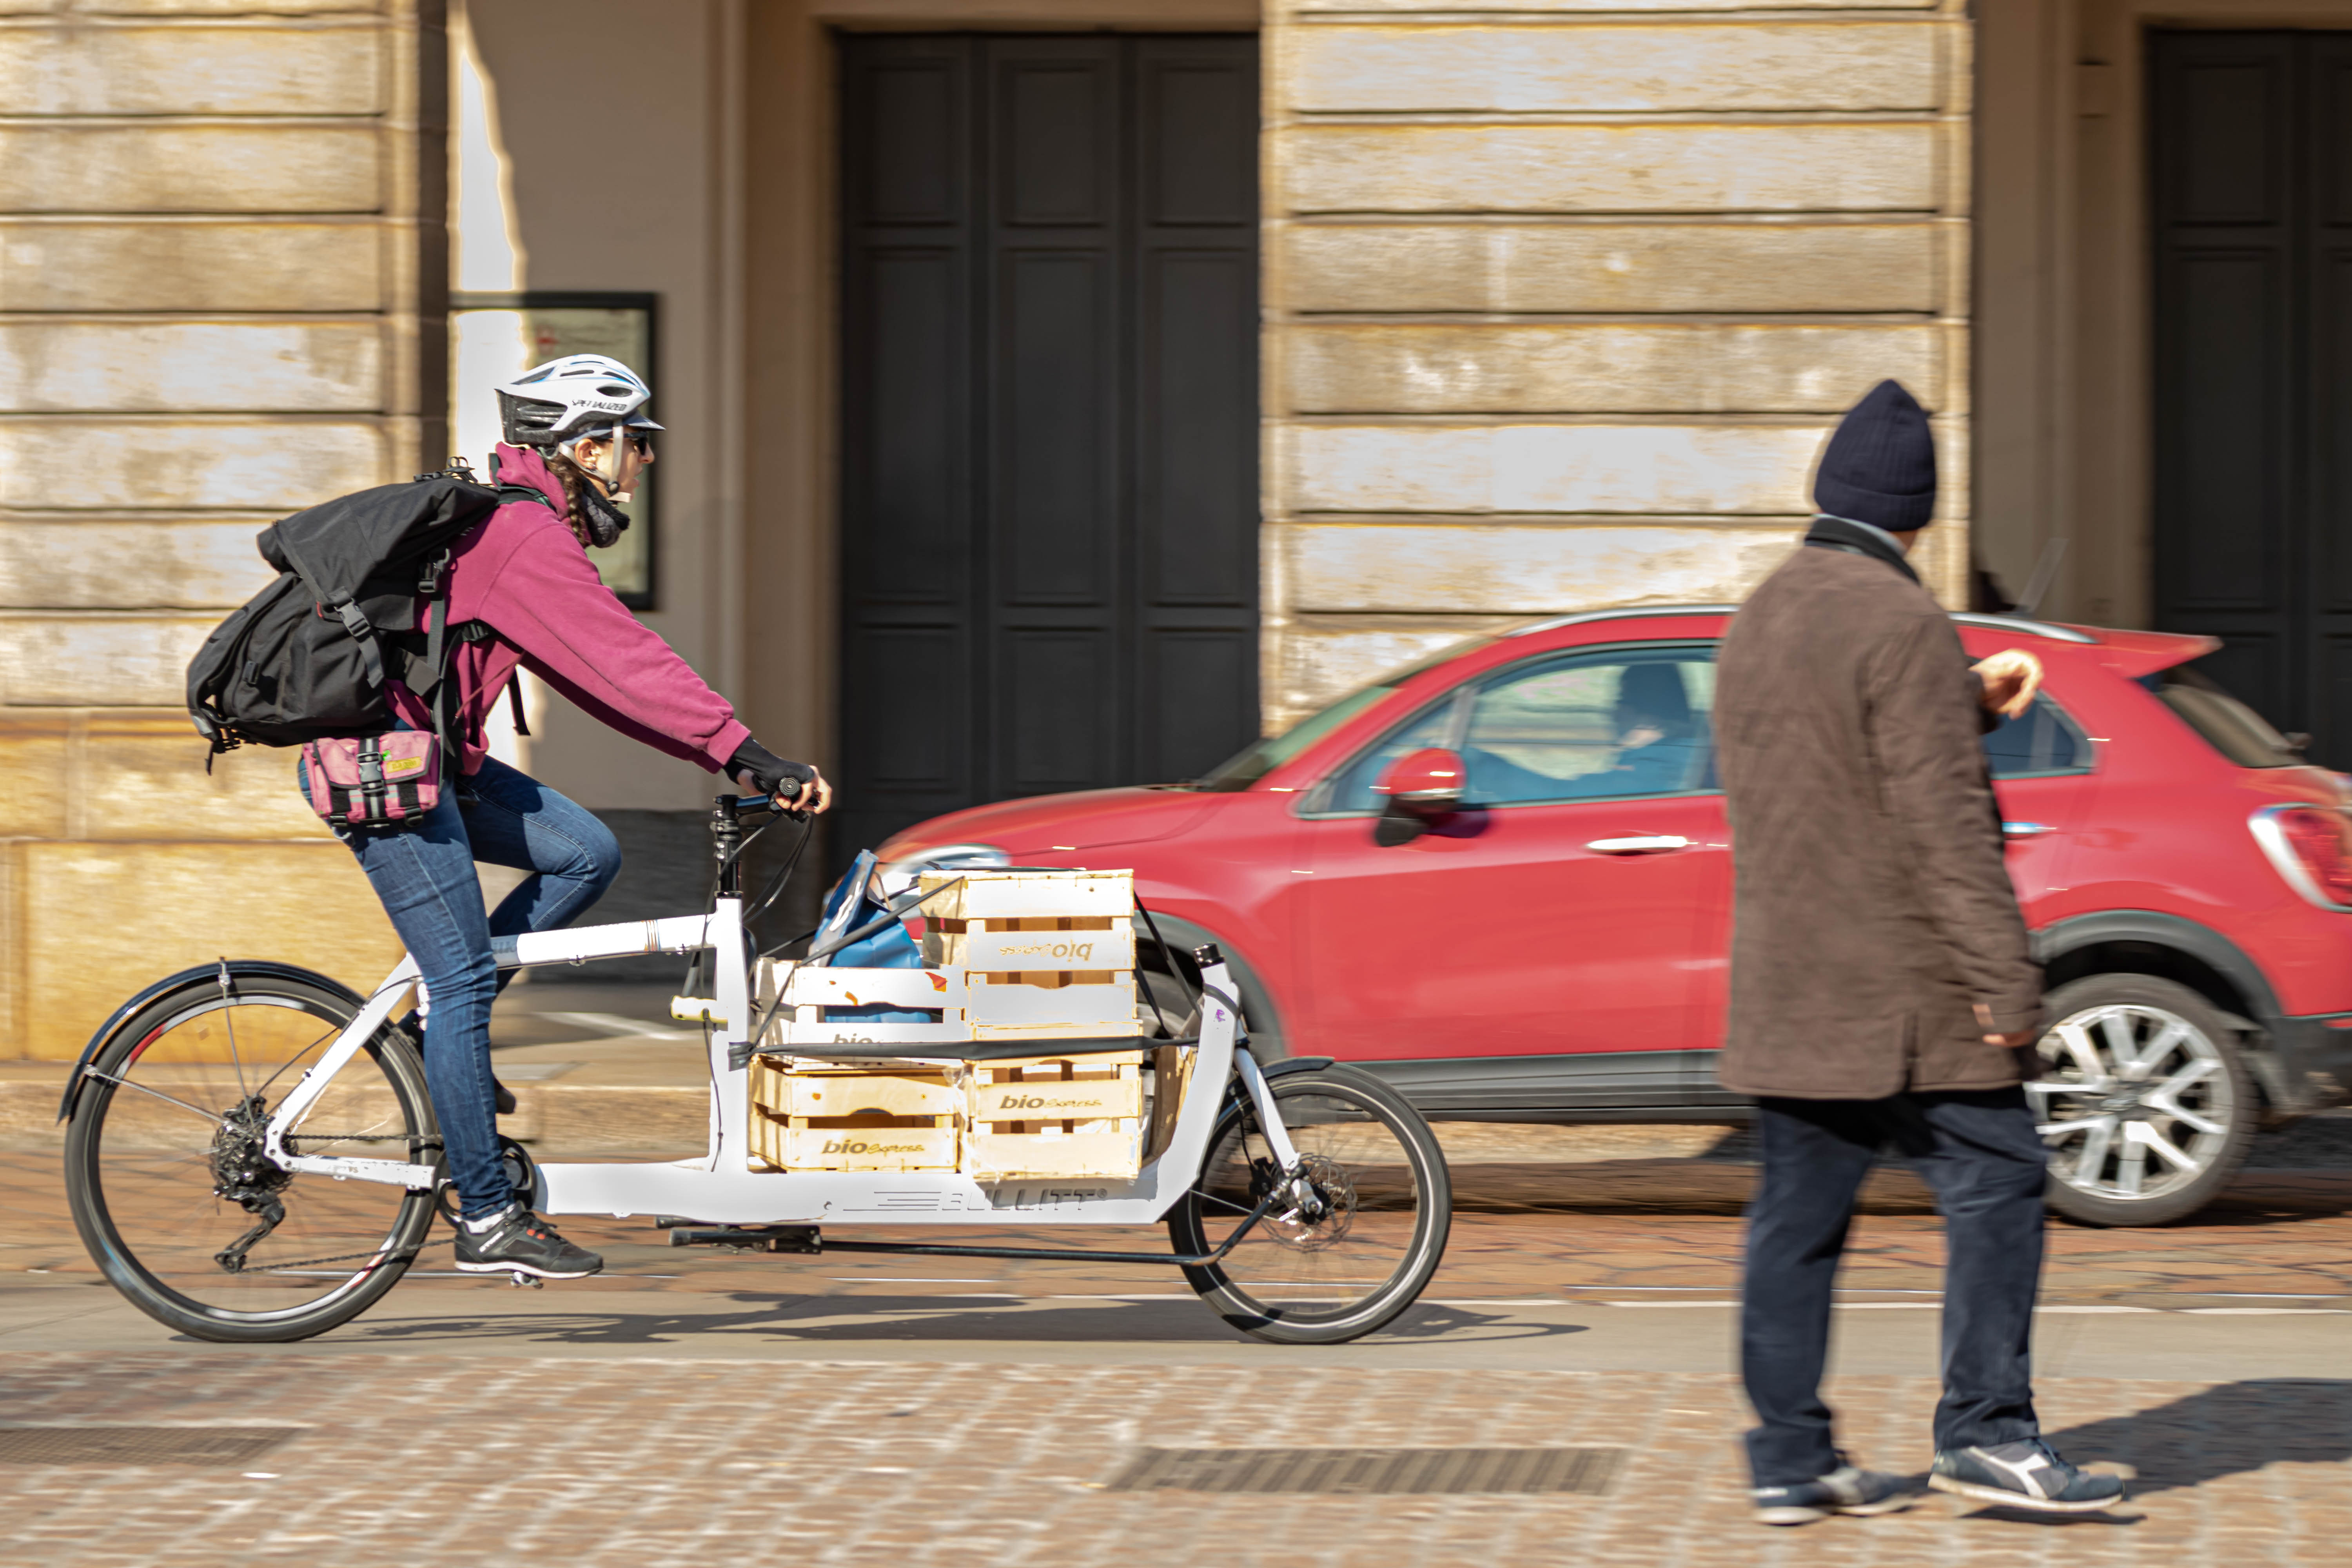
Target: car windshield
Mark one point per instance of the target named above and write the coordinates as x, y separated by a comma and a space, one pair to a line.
1254, 761
2229, 726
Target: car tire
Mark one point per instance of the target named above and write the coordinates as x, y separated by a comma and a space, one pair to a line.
2144, 1099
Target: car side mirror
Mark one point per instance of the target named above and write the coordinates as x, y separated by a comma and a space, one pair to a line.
1424, 784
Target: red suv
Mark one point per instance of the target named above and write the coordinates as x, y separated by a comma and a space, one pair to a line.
1500, 880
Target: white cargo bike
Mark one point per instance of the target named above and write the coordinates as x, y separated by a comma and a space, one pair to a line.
251, 1154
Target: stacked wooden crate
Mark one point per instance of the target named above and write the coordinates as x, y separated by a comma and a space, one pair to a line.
1054, 1116
1009, 955
1045, 956
819, 1116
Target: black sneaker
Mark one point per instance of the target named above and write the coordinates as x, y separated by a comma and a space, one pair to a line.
516, 1241
1843, 1490
2027, 1474
504, 1097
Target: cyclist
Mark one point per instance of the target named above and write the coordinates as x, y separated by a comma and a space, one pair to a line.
576, 433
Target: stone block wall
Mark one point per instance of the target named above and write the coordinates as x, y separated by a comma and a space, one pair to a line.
222, 273
1562, 300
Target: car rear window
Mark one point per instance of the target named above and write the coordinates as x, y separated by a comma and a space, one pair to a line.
2229, 726
2038, 743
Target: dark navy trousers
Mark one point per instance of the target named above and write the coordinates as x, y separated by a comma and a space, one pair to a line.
1978, 1151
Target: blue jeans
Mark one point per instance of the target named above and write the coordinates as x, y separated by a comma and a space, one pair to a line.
1978, 1151
425, 875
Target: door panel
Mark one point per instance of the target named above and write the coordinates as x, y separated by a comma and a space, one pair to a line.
1501, 934
1049, 468
2253, 224
1535, 920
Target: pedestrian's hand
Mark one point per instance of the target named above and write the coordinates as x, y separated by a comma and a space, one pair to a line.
2013, 1041
2010, 679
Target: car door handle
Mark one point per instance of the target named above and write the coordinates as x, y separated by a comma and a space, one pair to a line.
1640, 844
2025, 830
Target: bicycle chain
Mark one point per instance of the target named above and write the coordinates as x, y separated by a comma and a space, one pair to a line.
407, 1257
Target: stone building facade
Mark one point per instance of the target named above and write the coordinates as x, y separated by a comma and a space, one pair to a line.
1558, 301
221, 266
1562, 301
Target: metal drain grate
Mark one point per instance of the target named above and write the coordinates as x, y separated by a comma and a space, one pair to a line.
1371, 1471
139, 1444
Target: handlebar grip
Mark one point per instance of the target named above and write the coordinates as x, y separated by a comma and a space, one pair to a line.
780, 799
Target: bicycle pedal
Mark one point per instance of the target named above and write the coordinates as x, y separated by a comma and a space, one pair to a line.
521, 1279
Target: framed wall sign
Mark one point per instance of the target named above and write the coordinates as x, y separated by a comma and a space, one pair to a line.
496, 337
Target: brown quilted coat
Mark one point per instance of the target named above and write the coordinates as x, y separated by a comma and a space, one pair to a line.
1872, 908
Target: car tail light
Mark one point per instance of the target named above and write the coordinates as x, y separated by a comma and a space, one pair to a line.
2311, 845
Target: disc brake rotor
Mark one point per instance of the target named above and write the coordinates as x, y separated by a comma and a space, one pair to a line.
1318, 1210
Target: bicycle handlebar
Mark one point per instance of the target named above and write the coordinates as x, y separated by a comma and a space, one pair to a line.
774, 800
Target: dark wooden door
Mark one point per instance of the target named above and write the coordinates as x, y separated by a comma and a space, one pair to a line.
2252, 208
1049, 475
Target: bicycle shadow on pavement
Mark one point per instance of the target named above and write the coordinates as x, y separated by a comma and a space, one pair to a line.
2229, 1429
869, 1319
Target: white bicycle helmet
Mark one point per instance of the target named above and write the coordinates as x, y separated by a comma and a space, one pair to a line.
556, 403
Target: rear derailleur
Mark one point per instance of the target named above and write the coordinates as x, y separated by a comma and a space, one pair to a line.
245, 1175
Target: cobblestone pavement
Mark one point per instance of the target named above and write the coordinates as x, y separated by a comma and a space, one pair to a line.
426, 1459
921, 1410
2278, 1237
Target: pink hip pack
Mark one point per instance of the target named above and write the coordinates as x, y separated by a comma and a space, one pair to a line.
390, 780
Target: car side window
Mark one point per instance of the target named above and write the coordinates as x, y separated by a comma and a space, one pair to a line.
1351, 790
1593, 727
2038, 743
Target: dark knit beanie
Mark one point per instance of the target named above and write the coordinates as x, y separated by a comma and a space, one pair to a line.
1879, 465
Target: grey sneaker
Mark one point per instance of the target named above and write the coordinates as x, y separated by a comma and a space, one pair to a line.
1843, 1490
2027, 1474
516, 1241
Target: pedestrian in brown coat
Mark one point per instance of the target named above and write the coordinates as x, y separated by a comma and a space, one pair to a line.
1882, 991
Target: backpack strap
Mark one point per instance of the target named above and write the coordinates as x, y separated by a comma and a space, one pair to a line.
524, 492
363, 631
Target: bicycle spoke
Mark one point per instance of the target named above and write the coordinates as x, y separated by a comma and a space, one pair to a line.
297, 1056
210, 1116
218, 1236
228, 1019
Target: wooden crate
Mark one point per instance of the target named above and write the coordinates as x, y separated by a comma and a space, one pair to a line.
1018, 945
801, 1020
1048, 1001
1171, 1075
1091, 1149
1044, 954
994, 895
1061, 1089
1085, 1004
855, 1142
1013, 1130
792, 1088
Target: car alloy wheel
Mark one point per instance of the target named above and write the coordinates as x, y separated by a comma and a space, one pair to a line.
2142, 1099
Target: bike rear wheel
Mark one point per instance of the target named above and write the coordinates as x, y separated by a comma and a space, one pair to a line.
172, 1193
1345, 1263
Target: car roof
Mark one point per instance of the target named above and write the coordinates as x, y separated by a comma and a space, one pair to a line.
2128, 653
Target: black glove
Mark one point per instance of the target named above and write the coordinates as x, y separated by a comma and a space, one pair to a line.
774, 774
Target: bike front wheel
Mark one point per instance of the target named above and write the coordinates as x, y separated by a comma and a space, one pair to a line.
1352, 1250
179, 1206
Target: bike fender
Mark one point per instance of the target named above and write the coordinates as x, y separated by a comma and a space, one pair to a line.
1295, 1064
206, 974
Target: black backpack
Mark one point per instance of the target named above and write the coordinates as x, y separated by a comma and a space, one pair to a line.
307, 657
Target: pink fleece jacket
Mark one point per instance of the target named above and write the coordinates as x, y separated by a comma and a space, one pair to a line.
523, 572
